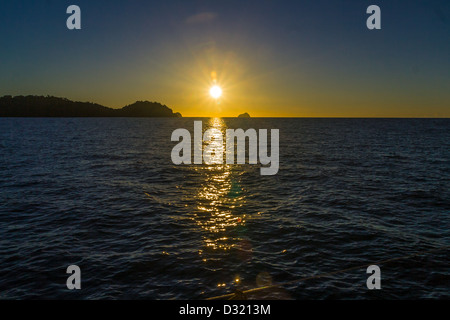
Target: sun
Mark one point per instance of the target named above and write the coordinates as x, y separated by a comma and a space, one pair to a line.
215, 92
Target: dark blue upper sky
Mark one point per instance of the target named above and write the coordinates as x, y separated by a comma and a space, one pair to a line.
312, 58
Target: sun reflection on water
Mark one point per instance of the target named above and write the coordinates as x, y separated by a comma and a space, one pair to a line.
219, 195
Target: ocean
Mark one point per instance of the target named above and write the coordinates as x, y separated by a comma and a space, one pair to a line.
103, 194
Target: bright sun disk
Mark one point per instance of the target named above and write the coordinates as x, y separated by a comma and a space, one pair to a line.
215, 92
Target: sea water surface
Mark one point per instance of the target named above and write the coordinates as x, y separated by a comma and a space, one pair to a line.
103, 194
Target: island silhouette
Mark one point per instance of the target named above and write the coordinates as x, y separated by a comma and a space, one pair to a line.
244, 115
49, 106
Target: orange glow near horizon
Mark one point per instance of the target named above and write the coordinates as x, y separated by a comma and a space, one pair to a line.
263, 89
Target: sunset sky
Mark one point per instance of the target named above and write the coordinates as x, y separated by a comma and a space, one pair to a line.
271, 58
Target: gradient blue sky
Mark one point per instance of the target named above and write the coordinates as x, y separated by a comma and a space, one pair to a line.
272, 58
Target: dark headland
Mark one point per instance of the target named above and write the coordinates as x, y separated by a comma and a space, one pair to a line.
244, 115
40, 106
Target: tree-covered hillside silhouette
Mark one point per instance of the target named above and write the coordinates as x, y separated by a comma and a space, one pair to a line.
48, 106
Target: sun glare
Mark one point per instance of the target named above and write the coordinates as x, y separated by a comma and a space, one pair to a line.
215, 92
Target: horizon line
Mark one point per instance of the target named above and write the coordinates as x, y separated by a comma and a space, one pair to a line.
172, 108
208, 117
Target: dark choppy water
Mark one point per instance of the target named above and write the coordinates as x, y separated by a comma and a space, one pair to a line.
103, 194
